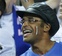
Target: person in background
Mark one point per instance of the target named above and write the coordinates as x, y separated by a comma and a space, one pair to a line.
9, 21
39, 24
2, 9
5, 37
27, 3
53, 3
6, 46
60, 10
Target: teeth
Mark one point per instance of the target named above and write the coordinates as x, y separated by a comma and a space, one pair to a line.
26, 34
27, 31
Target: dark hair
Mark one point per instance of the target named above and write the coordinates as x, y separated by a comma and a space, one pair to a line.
2, 6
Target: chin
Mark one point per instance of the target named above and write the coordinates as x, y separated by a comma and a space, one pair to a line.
27, 41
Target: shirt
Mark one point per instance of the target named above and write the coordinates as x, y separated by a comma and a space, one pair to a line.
56, 50
6, 36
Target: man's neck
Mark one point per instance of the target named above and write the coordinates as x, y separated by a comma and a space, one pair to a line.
42, 47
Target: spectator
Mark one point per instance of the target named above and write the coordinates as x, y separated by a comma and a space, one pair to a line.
53, 4
40, 23
5, 37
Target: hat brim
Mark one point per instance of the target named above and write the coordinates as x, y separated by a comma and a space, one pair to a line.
22, 13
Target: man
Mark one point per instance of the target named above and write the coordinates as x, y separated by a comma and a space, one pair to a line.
39, 25
53, 4
9, 22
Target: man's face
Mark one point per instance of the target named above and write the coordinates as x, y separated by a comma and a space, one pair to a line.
32, 29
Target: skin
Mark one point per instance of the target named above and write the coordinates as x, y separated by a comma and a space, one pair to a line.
32, 28
53, 3
60, 11
40, 40
27, 3
9, 4
48, 2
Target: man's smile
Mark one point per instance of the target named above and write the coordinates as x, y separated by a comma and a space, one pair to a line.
27, 32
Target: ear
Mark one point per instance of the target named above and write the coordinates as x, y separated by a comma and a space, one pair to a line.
47, 27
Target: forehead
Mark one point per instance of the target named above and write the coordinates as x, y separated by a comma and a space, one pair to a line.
31, 17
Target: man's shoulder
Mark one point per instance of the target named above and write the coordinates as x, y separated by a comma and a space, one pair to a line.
58, 49
58, 44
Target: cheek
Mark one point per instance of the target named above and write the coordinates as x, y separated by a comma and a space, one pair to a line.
34, 29
40, 30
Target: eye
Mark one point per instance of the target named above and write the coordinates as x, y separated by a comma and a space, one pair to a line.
31, 20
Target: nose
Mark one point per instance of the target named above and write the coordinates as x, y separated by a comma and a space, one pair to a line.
25, 24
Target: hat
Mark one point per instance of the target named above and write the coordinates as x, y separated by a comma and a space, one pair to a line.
45, 13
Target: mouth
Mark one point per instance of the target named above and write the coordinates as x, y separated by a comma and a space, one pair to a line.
27, 32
